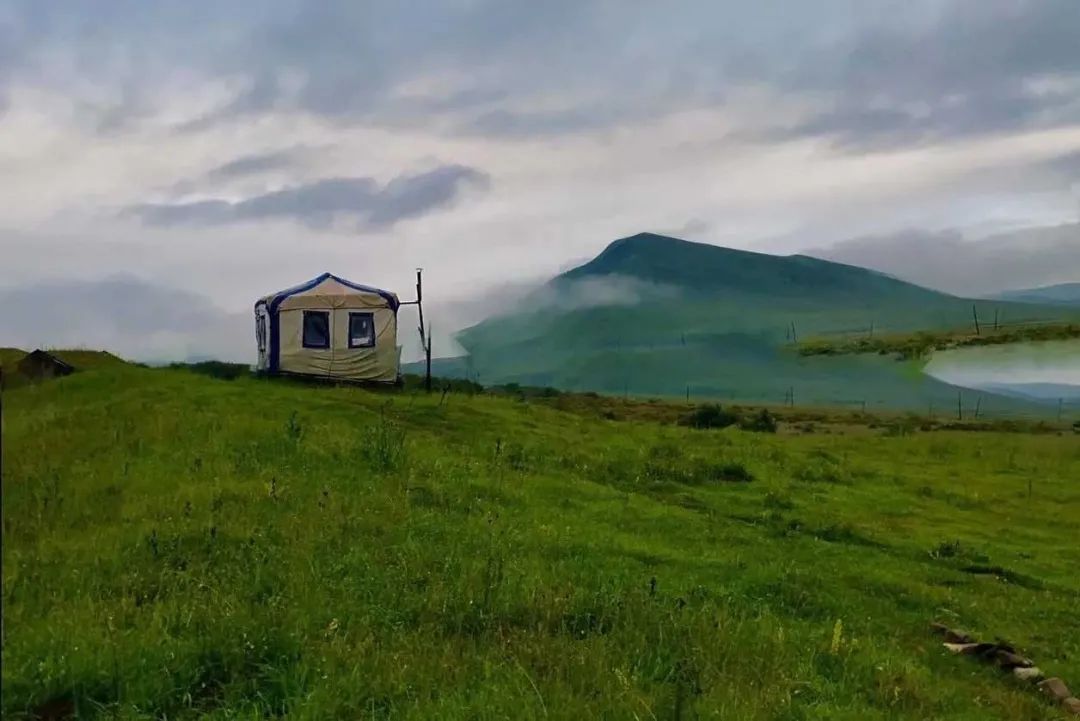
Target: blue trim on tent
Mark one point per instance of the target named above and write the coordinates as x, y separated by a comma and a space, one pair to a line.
275, 328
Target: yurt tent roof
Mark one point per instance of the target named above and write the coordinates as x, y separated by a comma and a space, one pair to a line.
342, 287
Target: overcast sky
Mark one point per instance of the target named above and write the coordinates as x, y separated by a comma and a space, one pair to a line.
227, 149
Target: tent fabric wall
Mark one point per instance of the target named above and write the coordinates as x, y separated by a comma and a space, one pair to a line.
338, 297
339, 361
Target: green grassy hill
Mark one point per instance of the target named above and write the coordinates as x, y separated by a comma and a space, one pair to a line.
79, 358
180, 547
10, 357
709, 270
657, 315
83, 359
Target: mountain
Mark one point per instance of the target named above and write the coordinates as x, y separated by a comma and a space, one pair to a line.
1060, 294
655, 315
708, 269
1042, 392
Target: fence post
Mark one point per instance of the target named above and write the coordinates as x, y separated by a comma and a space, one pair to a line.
975, 314
959, 405
427, 363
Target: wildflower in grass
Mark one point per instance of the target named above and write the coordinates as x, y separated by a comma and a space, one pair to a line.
837, 635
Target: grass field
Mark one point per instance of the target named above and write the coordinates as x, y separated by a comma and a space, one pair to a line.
176, 546
921, 344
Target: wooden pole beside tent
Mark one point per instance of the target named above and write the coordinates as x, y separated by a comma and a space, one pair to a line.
425, 333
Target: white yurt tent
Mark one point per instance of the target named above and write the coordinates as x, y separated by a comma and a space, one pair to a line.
331, 328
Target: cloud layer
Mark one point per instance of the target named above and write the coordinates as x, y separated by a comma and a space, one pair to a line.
133, 318
255, 164
322, 202
947, 261
879, 72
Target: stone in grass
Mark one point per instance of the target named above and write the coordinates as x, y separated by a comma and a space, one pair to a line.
961, 648
972, 649
1072, 705
1030, 673
951, 635
1009, 660
1055, 688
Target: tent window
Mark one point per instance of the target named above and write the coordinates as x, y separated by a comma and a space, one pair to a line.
361, 330
316, 329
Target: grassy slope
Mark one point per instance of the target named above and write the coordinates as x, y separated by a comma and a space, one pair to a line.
80, 359
723, 335
175, 545
10, 357
916, 345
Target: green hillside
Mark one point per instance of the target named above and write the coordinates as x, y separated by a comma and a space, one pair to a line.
706, 270
658, 315
10, 357
180, 547
80, 359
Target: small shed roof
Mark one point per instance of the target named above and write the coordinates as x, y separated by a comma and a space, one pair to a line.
44, 356
40, 363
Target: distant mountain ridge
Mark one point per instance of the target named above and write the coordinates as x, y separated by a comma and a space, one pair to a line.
1059, 294
709, 269
657, 315
1040, 392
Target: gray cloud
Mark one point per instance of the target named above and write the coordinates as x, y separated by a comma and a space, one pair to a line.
691, 229
126, 315
245, 166
949, 262
255, 164
9, 55
881, 73
981, 66
322, 202
1065, 167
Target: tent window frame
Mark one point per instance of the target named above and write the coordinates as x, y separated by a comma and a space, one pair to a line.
325, 315
371, 322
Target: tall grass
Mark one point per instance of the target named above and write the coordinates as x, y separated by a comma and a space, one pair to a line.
179, 547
